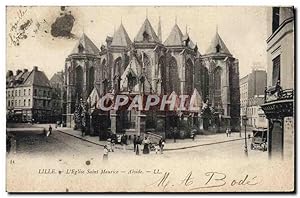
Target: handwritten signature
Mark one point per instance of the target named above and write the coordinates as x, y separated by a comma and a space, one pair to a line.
210, 180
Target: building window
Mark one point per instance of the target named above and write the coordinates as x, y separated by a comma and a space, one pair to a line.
24, 92
24, 102
16, 93
29, 102
275, 18
44, 103
276, 70
8, 93
218, 48
9, 103
19, 92
19, 102
29, 92
12, 103
44, 93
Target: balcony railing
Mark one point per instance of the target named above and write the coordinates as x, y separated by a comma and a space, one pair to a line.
276, 93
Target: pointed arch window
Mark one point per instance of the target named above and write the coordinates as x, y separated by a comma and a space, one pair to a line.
217, 81
145, 36
218, 47
80, 48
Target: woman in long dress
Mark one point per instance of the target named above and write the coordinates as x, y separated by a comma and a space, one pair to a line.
146, 146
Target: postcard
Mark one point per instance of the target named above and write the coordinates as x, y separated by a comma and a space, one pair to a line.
150, 99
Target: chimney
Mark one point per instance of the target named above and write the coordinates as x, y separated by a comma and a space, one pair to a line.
9, 73
18, 72
35, 68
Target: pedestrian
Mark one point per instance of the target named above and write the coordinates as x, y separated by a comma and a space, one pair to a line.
123, 140
174, 134
105, 153
112, 142
108, 144
82, 131
138, 142
193, 135
146, 146
134, 143
162, 146
50, 129
227, 132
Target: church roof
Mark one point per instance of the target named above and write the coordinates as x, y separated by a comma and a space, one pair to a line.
217, 40
175, 37
146, 30
88, 46
121, 38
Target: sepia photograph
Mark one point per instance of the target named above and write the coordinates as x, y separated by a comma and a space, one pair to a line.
167, 99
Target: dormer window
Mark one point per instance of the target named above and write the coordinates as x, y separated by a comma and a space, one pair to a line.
218, 48
145, 36
80, 48
186, 42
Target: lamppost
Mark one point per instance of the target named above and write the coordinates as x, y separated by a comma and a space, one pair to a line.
245, 124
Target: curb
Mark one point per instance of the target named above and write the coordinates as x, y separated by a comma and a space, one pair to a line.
170, 149
207, 144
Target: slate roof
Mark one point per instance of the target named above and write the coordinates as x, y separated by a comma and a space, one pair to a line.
57, 78
217, 40
175, 37
88, 46
121, 38
148, 29
37, 78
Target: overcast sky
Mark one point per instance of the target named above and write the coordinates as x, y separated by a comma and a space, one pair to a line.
243, 29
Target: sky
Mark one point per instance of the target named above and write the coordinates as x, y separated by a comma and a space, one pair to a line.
243, 29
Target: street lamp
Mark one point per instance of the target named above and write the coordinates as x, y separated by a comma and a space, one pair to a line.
245, 124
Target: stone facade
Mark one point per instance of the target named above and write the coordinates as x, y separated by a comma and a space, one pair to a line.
28, 96
147, 65
279, 96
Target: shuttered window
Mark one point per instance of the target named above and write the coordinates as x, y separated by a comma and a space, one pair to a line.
276, 70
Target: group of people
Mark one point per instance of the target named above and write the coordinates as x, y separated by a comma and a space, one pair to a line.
147, 145
228, 132
137, 143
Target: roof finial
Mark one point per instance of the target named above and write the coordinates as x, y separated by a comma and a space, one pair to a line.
146, 13
121, 20
186, 29
176, 19
159, 29
217, 29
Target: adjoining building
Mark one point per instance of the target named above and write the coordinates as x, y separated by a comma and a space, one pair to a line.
147, 65
28, 96
279, 96
58, 95
252, 89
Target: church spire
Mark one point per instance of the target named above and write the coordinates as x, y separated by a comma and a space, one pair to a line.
159, 30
